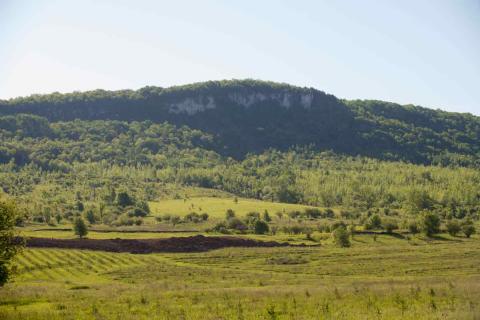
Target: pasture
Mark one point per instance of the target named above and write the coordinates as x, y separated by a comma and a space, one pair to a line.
377, 278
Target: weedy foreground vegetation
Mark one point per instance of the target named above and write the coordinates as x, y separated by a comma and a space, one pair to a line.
377, 278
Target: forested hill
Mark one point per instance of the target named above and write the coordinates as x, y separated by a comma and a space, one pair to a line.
248, 116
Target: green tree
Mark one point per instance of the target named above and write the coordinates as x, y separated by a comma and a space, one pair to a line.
80, 228
260, 227
341, 237
266, 216
124, 199
430, 224
90, 216
453, 227
9, 245
468, 228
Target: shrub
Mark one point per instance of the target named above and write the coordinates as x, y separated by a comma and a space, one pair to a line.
453, 227
329, 213
124, 199
430, 224
192, 217
260, 227
341, 237
229, 214
137, 212
266, 216
221, 227
375, 222
204, 216
337, 224
413, 227
313, 213
389, 226
236, 224
175, 220
468, 228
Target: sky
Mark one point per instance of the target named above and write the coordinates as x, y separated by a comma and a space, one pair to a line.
421, 52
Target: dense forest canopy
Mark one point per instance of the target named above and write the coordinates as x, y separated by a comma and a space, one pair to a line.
248, 116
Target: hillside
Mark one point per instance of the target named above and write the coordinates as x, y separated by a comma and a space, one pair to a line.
248, 116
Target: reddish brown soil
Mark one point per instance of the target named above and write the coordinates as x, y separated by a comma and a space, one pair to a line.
176, 244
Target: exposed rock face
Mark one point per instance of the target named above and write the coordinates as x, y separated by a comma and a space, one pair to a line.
191, 106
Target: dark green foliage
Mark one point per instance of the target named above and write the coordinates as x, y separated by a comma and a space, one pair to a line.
266, 216
453, 227
468, 228
260, 227
90, 216
430, 224
341, 237
253, 116
80, 228
9, 247
413, 227
124, 199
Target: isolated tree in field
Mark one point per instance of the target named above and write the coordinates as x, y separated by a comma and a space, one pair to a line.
453, 227
430, 224
260, 227
9, 245
341, 237
80, 228
468, 228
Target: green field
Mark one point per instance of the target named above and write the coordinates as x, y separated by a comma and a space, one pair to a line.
216, 207
389, 278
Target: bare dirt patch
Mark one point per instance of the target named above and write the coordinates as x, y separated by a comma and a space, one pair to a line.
175, 244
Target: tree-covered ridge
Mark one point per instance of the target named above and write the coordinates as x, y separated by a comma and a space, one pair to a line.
248, 116
94, 159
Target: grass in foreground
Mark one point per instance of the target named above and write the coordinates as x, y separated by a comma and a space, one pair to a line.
391, 279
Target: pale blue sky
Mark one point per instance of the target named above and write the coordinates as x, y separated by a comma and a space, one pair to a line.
422, 52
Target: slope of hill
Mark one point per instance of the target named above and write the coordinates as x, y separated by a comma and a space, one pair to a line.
248, 116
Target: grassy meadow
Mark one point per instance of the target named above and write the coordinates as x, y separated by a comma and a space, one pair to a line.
382, 277
217, 206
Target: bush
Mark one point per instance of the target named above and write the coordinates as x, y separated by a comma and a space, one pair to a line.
375, 222
236, 224
341, 237
413, 227
229, 214
220, 227
430, 224
266, 216
329, 213
313, 213
260, 227
389, 226
468, 228
124, 199
204, 216
453, 227
137, 212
